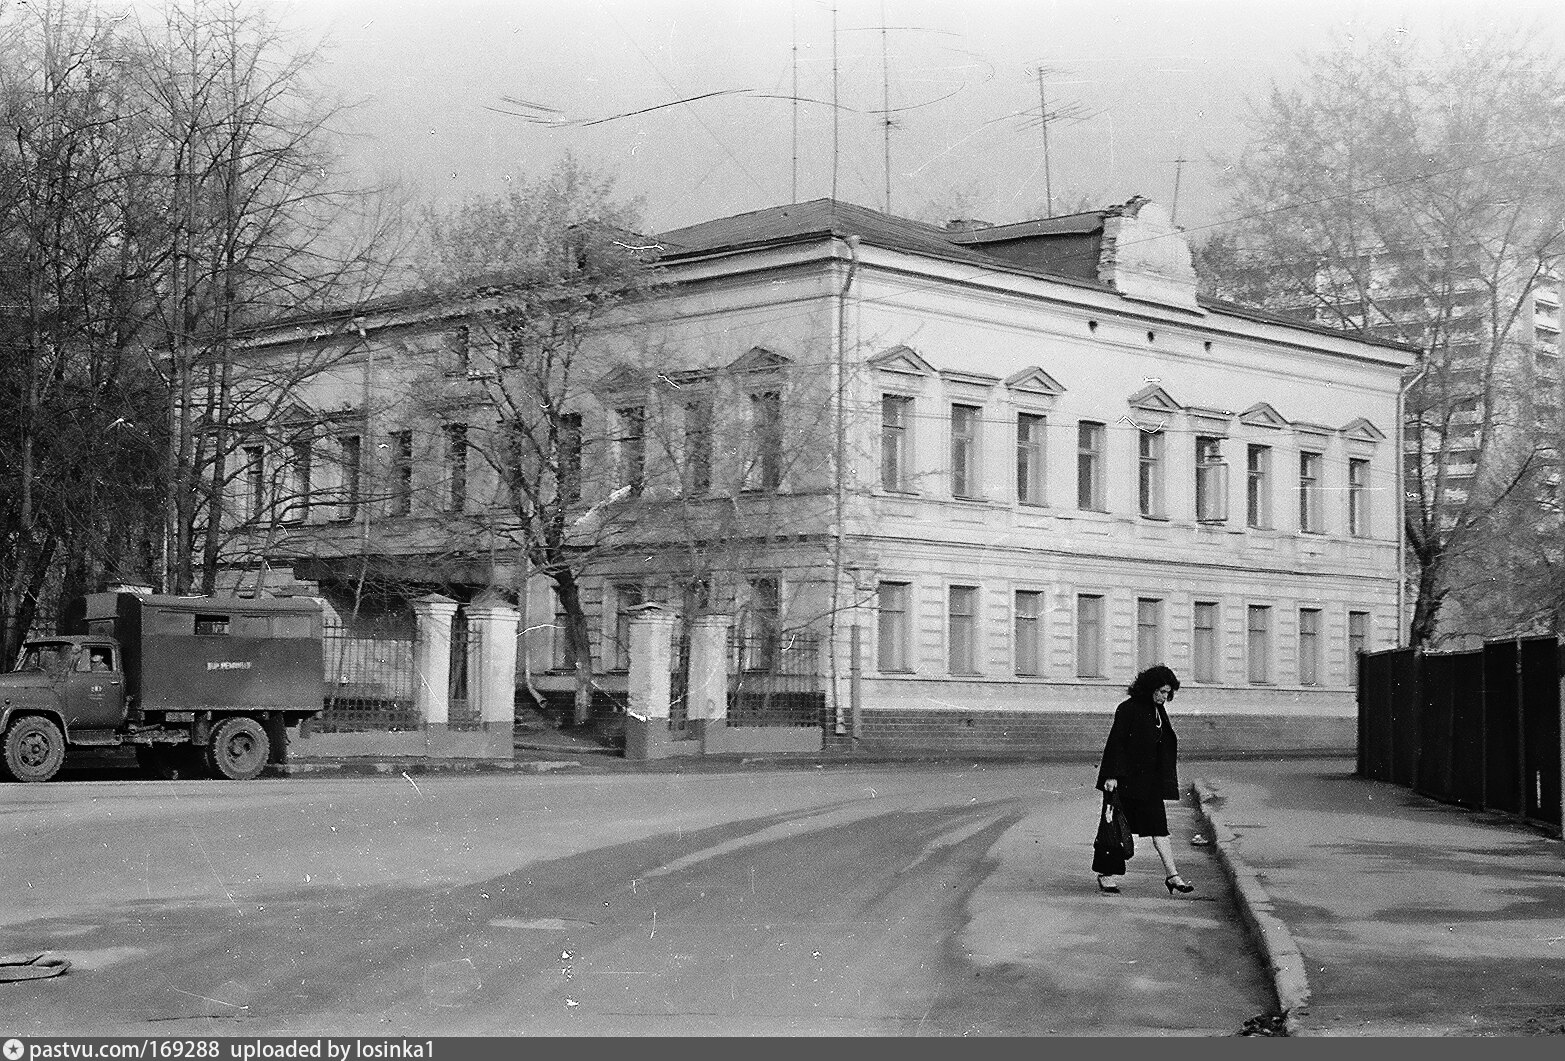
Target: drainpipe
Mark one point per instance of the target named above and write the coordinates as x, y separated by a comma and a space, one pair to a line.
1403, 634
840, 487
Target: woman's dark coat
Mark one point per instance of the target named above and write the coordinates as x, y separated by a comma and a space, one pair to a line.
1143, 764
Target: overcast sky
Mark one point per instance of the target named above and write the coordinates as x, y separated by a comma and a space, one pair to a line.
1139, 84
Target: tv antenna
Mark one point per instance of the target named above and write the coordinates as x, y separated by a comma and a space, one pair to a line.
1070, 112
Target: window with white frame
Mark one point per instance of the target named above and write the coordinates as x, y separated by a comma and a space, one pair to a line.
350, 458
1028, 632
297, 486
698, 444
891, 605
1089, 466
253, 483
1258, 643
631, 444
401, 473
1309, 646
1149, 632
456, 467
1089, 635
626, 595
766, 421
1203, 643
1310, 516
1258, 486
1358, 643
1358, 497
964, 451
1211, 480
962, 629
896, 442
1150, 479
1030, 480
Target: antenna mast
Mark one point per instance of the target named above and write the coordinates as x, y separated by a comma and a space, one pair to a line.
1173, 210
885, 100
834, 119
1043, 122
795, 8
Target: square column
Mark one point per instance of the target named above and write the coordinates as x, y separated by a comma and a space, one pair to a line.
651, 660
432, 659
706, 695
493, 685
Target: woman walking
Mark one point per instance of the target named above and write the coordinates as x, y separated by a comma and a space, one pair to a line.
1140, 764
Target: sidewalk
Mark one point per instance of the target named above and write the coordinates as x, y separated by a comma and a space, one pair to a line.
1385, 913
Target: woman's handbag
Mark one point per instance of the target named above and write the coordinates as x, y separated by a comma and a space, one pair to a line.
1114, 843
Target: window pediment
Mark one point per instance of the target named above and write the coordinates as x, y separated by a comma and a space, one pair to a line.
759, 359
1034, 381
1155, 399
1263, 415
904, 360
1362, 430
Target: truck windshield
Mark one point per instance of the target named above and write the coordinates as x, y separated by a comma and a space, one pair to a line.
44, 656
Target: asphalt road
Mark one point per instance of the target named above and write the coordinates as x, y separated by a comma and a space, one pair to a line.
906, 900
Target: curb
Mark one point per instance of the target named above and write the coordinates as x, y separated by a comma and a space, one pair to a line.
1276, 943
422, 766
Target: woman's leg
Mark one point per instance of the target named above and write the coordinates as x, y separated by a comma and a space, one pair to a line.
1165, 851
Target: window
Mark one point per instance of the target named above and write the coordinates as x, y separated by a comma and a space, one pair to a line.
456, 467
964, 451
1358, 642
1089, 635
766, 418
350, 455
1259, 643
459, 343
1028, 632
626, 596
1258, 493
961, 627
567, 461
762, 625
296, 486
896, 442
1358, 498
1151, 477
632, 447
1149, 632
1309, 646
1211, 480
1203, 646
698, 444
401, 473
253, 480
892, 616
1089, 466
1029, 458
1309, 493
212, 624
559, 648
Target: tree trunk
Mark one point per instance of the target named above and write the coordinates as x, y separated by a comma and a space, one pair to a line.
578, 646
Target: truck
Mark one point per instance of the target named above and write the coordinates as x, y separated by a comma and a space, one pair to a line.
197, 686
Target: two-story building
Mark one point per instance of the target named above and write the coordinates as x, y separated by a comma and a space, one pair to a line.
994, 470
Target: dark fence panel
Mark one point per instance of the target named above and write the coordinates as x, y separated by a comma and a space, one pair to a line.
369, 682
466, 661
1481, 729
1502, 728
1541, 728
775, 681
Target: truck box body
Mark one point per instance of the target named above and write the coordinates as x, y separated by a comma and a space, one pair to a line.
214, 654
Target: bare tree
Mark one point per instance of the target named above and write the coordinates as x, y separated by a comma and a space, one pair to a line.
1414, 194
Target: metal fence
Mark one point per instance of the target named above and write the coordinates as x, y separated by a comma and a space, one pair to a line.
1480, 729
775, 680
466, 662
369, 682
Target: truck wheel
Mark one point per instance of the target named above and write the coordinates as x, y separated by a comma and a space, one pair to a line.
34, 749
239, 748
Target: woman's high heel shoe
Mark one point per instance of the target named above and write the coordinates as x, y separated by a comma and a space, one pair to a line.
1176, 883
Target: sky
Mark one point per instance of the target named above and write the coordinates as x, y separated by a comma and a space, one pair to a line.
452, 98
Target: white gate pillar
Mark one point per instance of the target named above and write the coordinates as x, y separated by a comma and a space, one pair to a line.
432, 659
707, 692
651, 658
493, 685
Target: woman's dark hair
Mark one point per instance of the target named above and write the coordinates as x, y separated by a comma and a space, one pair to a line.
1151, 679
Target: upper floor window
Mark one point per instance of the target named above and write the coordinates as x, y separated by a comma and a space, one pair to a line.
401, 473
1211, 480
698, 444
456, 467
632, 447
1258, 487
1029, 458
567, 457
1089, 466
896, 442
253, 482
1150, 482
1358, 497
766, 419
350, 455
1310, 517
964, 451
